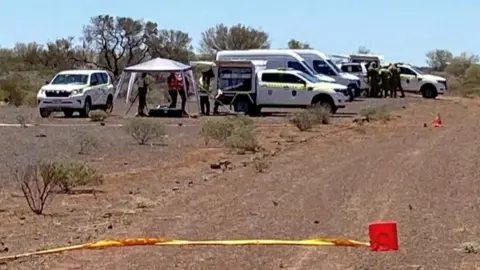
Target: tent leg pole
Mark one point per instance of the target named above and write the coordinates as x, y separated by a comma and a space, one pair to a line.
131, 104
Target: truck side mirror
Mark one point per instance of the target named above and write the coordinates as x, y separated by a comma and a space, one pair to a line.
47, 82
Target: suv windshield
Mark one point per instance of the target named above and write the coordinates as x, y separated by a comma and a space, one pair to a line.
70, 79
309, 77
335, 67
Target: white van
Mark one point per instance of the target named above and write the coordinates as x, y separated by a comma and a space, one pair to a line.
275, 59
322, 64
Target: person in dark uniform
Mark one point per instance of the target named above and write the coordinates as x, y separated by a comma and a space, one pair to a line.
142, 94
204, 92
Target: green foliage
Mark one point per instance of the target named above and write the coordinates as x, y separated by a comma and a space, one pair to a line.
295, 44
307, 119
376, 114
237, 37
144, 130
73, 175
19, 90
460, 71
98, 115
234, 132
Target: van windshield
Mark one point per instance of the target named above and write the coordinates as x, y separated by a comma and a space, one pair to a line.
334, 66
309, 77
309, 68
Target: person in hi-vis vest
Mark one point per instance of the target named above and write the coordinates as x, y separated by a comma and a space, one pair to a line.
175, 87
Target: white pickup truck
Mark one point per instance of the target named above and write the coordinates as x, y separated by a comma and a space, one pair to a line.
76, 91
249, 87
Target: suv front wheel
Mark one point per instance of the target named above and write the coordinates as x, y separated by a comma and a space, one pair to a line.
86, 108
44, 113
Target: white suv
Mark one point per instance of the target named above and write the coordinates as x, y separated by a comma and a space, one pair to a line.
76, 91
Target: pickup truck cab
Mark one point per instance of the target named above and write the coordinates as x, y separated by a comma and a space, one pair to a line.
293, 88
76, 91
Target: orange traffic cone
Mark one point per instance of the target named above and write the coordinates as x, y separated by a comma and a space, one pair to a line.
437, 122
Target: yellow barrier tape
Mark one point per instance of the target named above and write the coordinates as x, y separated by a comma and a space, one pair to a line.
168, 242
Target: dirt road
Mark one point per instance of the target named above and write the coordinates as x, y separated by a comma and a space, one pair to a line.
426, 179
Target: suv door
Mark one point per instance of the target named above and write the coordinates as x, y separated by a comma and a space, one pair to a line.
103, 88
92, 88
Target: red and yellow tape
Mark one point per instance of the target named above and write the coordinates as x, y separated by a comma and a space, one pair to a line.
170, 242
383, 237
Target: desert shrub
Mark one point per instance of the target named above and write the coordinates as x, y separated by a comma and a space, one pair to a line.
22, 120
376, 114
320, 115
143, 130
38, 183
86, 143
233, 131
16, 88
242, 139
97, 115
260, 164
77, 174
307, 119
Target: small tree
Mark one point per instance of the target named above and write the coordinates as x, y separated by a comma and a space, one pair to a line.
295, 44
237, 37
38, 183
143, 130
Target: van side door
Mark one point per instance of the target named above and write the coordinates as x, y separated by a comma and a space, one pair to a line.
271, 90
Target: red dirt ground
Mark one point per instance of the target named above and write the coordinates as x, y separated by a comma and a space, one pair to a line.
330, 182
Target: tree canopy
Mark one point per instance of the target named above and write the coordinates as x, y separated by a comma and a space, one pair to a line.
112, 43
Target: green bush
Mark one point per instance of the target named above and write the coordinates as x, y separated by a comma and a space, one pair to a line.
376, 114
98, 115
144, 130
233, 131
307, 119
76, 175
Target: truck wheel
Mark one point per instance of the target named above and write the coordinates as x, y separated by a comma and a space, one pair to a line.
429, 91
242, 106
86, 108
68, 113
326, 105
351, 92
44, 113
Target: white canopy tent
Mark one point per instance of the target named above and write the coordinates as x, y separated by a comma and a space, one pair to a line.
156, 65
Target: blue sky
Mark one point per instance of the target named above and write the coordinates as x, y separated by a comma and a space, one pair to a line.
339, 26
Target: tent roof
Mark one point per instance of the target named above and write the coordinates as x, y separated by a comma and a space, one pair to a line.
158, 64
